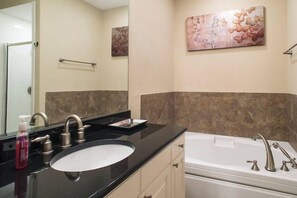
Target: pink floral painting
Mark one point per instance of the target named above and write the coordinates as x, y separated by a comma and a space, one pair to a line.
120, 42
235, 28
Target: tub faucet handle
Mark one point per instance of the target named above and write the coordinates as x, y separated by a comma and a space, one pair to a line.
255, 166
284, 166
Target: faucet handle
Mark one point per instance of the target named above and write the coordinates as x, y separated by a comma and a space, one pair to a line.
81, 134
87, 126
255, 166
47, 147
65, 140
293, 163
284, 166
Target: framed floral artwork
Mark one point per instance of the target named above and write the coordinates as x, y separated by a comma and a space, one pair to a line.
120, 39
235, 28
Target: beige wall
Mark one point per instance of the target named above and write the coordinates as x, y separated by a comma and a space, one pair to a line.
292, 39
248, 69
150, 49
72, 29
113, 70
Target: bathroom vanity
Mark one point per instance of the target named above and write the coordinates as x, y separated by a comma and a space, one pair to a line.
156, 167
162, 176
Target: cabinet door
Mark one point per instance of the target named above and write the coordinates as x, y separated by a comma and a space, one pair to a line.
129, 188
160, 187
155, 167
178, 177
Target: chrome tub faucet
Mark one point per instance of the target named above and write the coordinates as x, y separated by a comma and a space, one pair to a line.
269, 157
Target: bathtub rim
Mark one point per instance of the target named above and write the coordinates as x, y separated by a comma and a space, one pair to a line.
196, 167
283, 186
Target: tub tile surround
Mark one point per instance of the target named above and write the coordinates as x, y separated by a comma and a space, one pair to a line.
59, 105
292, 116
235, 114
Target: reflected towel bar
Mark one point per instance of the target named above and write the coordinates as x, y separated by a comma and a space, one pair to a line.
289, 51
73, 61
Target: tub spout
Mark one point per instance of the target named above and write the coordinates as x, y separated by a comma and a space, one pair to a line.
269, 157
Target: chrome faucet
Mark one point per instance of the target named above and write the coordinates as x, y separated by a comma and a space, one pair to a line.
269, 157
65, 136
44, 117
292, 161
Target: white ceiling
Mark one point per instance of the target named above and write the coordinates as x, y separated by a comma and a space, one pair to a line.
107, 4
23, 12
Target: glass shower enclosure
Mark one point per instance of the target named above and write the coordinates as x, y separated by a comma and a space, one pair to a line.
17, 23
17, 99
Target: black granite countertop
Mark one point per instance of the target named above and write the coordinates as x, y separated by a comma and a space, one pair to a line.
40, 180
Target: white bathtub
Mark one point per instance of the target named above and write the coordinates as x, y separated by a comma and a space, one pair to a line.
216, 165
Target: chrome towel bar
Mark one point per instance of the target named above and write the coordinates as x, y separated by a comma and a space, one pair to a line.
289, 51
73, 61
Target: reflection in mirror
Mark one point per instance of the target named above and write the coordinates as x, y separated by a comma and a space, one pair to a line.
16, 64
77, 30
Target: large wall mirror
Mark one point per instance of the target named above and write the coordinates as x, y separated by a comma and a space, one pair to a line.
36, 35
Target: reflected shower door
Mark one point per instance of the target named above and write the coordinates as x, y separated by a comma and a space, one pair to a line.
3, 48
19, 83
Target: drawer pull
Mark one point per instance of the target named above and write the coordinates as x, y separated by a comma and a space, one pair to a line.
148, 196
175, 165
181, 145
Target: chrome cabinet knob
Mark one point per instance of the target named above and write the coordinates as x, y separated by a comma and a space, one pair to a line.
175, 165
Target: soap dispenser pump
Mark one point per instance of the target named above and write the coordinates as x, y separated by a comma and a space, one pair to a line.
22, 143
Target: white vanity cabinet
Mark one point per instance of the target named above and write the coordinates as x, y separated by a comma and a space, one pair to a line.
129, 188
178, 177
162, 177
160, 187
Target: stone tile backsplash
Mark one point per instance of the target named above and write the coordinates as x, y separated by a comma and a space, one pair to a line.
236, 114
158, 108
59, 105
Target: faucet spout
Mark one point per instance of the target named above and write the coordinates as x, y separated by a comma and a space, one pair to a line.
73, 117
80, 130
269, 157
44, 117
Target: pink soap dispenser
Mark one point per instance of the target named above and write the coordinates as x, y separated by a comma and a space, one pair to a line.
22, 144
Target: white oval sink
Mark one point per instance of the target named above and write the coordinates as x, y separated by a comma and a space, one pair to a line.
92, 155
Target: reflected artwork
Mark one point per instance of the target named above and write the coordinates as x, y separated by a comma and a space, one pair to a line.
235, 28
120, 41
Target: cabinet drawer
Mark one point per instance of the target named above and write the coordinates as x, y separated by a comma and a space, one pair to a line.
178, 146
153, 168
